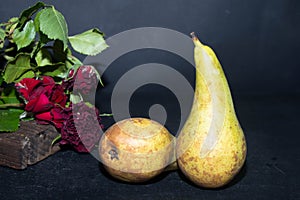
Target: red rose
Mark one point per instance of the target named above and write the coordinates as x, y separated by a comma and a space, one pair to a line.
47, 84
57, 115
58, 95
44, 98
38, 103
81, 130
26, 86
41, 95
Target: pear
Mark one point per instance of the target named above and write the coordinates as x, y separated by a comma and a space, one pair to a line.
211, 147
137, 149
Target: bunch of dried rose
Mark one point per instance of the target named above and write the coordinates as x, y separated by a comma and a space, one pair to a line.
49, 103
39, 73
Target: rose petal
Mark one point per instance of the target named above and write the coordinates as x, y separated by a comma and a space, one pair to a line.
48, 84
26, 86
47, 80
39, 104
58, 96
46, 116
58, 116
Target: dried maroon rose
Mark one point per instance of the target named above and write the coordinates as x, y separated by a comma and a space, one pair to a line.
85, 80
82, 130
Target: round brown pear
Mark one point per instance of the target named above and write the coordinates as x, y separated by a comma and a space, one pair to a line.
136, 149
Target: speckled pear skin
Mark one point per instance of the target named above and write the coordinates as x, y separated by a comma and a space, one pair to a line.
212, 163
136, 149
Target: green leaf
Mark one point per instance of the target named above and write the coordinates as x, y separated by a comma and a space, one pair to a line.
43, 57
28, 74
2, 34
2, 37
42, 37
24, 37
74, 98
55, 70
69, 65
18, 68
99, 77
96, 30
52, 23
9, 96
26, 14
90, 42
9, 119
36, 21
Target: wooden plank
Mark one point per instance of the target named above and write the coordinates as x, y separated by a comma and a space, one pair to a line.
27, 146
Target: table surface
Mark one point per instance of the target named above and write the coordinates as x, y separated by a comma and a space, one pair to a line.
271, 126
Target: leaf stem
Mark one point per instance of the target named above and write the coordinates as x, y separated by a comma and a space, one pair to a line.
17, 105
58, 137
106, 115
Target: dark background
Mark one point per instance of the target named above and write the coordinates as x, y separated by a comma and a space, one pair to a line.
258, 45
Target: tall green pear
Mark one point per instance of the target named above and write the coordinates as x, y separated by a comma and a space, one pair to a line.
211, 147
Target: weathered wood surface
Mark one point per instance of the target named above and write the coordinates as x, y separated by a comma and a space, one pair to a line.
27, 146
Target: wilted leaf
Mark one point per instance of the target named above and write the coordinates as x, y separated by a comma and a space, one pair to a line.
54, 70
26, 14
9, 96
24, 37
18, 68
90, 42
2, 37
8, 58
12, 24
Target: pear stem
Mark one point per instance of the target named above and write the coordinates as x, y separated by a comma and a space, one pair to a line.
193, 35
171, 167
195, 39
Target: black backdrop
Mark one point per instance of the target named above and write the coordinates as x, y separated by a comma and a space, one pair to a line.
258, 44
257, 41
